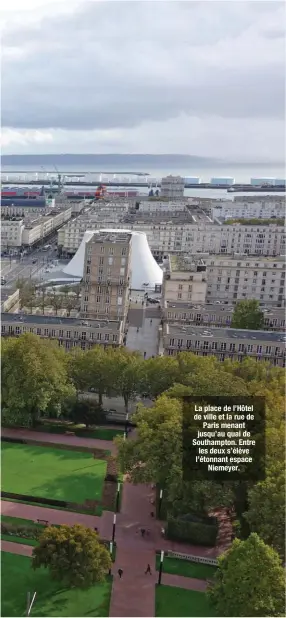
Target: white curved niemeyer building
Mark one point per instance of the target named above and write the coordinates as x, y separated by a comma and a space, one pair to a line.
145, 272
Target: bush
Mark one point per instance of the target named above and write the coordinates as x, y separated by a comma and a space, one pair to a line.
24, 532
190, 531
13, 440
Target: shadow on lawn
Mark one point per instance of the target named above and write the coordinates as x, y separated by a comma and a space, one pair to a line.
72, 487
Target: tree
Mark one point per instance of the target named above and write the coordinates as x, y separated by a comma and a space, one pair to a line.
34, 379
73, 555
160, 374
129, 368
249, 581
157, 447
56, 300
43, 297
266, 512
248, 315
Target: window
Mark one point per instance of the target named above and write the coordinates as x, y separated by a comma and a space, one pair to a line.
61, 332
107, 300
98, 335
123, 252
98, 298
172, 341
39, 330
101, 249
101, 260
85, 308
110, 261
46, 331
179, 295
119, 300
114, 337
120, 291
17, 330
106, 337
223, 346
83, 335
122, 271
123, 261
53, 333
86, 299
111, 250
180, 287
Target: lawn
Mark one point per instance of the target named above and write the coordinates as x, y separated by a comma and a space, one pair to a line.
18, 539
52, 599
171, 601
176, 566
53, 473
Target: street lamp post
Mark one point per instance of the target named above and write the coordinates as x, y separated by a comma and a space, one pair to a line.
110, 551
160, 501
113, 529
117, 497
161, 567
126, 422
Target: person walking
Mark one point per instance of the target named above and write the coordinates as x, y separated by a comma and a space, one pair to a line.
142, 532
120, 573
148, 570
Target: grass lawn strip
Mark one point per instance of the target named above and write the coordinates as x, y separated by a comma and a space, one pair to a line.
171, 601
17, 539
52, 599
178, 566
55, 473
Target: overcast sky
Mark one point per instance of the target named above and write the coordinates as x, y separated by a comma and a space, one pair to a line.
203, 78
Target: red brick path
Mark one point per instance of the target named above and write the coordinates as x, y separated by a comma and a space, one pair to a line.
104, 445
16, 548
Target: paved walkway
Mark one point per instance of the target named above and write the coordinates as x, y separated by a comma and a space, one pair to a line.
54, 516
16, 548
51, 438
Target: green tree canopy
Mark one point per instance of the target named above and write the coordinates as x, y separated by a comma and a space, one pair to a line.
34, 379
73, 555
266, 512
248, 315
249, 581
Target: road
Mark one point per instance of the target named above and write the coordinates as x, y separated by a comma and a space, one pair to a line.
30, 266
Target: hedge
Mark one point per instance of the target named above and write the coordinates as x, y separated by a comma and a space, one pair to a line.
13, 440
196, 532
26, 498
24, 532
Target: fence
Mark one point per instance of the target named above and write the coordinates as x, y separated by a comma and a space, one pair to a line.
191, 558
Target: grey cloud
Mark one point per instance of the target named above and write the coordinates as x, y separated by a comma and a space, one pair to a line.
116, 65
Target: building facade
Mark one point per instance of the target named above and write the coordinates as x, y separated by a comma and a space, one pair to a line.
225, 343
258, 209
213, 315
226, 279
172, 187
11, 233
69, 332
184, 280
188, 230
106, 276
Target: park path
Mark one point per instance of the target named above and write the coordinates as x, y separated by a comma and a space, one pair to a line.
51, 438
54, 516
16, 548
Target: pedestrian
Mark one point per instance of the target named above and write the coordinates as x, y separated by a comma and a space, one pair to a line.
142, 532
152, 513
120, 573
150, 321
148, 570
138, 329
144, 354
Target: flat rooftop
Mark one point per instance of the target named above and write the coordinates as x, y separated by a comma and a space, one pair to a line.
218, 308
112, 237
227, 333
46, 320
184, 263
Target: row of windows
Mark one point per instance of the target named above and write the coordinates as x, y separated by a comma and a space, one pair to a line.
232, 347
218, 318
47, 332
239, 357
